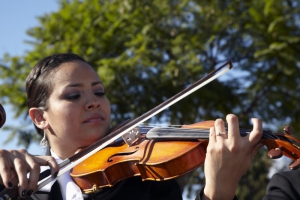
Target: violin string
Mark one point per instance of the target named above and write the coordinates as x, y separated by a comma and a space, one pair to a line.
266, 133
162, 125
269, 134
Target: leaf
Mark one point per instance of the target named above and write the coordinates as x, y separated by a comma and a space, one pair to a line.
272, 26
290, 39
255, 14
278, 45
263, 52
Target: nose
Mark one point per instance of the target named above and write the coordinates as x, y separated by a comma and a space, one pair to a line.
93, 103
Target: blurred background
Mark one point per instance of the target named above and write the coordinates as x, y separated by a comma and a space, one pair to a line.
147, 51
16, 17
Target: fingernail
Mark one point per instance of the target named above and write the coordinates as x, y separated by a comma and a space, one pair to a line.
24, 192
10, 184
29, 193
55, 175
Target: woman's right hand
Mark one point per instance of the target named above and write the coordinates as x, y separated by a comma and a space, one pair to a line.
16, 164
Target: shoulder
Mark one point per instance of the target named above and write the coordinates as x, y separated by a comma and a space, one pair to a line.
290, 177
284, 185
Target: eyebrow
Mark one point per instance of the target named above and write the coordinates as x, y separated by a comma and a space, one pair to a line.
80, 84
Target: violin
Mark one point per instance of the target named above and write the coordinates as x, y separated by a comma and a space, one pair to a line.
166, 153
159, 155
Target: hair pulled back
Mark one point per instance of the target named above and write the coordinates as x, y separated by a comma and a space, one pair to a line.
38, 82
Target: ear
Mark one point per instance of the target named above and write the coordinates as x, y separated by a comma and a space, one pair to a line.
37, 116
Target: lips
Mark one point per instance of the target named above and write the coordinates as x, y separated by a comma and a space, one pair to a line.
94, 118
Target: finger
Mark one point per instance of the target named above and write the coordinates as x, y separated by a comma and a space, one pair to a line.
5, 170
21, 169
220, 128
212, 141
48, 161
256, 133
256, 148
34, 173
212, 135
233, 127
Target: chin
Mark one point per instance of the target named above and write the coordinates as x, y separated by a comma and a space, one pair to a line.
92, 138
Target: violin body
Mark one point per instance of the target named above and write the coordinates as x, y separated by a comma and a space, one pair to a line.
150, 159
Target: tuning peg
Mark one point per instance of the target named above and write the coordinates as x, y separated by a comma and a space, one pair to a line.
288, 130
295, 164
275, 153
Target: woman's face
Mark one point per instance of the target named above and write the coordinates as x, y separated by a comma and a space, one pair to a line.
78, 112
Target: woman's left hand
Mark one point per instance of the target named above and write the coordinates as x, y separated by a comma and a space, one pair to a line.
228, 157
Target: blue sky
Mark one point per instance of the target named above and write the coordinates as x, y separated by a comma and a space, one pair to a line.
17, 16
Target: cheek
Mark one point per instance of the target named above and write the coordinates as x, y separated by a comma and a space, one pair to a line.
107, 107
63, 117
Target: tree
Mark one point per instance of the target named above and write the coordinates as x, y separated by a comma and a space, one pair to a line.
147, 51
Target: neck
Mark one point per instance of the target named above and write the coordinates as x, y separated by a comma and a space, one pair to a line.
62, 150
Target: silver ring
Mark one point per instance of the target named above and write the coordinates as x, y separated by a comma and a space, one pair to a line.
221, 133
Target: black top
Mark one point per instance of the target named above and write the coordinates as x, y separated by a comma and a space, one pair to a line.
129, 189
284, 185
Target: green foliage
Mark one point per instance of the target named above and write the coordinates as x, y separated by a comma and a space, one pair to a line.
147, 51
254, 183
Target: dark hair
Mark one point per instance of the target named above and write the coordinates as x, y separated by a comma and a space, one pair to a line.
38, 85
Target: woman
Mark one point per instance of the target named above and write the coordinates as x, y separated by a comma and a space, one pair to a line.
68, 106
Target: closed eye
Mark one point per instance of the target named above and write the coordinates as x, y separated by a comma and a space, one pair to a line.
100, 94
73, 97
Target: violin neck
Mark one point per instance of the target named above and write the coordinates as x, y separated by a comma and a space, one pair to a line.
177, 134
161, 133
